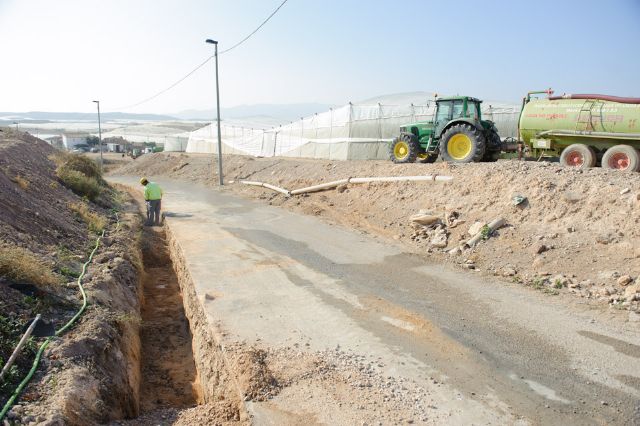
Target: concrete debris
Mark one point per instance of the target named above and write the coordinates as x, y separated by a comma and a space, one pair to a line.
424, 219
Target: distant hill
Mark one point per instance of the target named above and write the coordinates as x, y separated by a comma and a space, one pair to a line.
280, 113
40, 116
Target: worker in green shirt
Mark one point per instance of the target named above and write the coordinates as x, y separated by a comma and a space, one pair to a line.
152, 197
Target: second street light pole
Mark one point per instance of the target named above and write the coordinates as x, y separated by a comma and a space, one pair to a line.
220, 179
99, 133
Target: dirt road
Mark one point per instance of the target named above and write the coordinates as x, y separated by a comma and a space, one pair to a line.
437, 346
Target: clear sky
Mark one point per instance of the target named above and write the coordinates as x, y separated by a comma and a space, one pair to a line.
59, 55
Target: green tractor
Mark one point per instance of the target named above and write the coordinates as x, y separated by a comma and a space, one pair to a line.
458, 133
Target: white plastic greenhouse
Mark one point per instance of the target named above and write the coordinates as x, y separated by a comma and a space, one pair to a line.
351, 132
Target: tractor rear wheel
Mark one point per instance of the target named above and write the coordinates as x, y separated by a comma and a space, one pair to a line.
621, 157
578, 155
492, 152
404, 148
462, 143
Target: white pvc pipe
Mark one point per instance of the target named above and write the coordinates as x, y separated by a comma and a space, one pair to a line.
277, 188
320, 186
436, 178
266, 185
21, 343
249, 182
333, 184
495, 224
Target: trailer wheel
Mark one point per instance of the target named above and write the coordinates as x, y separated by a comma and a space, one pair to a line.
404, 148
578, 155
621, 157
462, 143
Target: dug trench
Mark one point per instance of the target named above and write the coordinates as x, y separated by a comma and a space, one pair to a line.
185, 377
168, 373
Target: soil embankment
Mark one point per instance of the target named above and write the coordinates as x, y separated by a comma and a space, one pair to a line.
575, 232
53, 209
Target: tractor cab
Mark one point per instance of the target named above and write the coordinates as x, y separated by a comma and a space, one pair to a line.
457, 133
448, 109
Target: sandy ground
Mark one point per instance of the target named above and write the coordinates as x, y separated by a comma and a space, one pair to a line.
575, 233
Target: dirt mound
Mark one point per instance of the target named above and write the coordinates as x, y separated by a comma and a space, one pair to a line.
571, 231
33, 204
46, 234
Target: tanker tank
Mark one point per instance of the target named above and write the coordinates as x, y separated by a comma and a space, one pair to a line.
584, 129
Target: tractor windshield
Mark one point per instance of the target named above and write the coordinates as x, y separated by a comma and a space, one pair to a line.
458, 109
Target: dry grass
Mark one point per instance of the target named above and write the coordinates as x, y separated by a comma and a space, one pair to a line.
20, 265
94, 221
22, 182
79, 173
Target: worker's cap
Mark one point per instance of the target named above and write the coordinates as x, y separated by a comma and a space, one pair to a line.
144, 181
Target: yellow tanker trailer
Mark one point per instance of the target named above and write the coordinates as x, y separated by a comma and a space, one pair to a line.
583, 129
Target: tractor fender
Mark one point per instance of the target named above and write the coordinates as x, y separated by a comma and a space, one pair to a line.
461, 121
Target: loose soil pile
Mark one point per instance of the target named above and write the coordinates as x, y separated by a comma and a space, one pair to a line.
572, 231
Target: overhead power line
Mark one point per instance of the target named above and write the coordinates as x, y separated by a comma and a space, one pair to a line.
254, 31
190, 73
150, 98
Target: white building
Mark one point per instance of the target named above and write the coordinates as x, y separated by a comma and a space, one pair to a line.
115, 147
71, 140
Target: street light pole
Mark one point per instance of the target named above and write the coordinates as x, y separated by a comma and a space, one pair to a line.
16, 123
220, 180
99, 133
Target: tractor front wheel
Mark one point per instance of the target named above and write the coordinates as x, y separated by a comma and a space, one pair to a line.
404, 148
462, 143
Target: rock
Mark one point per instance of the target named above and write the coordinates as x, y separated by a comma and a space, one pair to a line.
424, 219
509, 271
455, 252
625, 191
476, 228
538, 262
605, 238
573, 284
603, 292
625, 280
632, 292
541, 248
439, 241
341, 188
608, 275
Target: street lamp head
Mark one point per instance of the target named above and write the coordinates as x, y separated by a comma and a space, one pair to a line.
97, 102
211, 41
